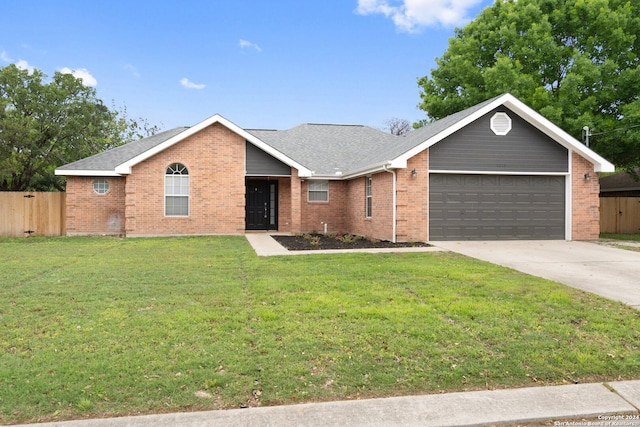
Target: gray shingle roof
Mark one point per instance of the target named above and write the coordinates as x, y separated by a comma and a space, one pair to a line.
322, 148
326, 149
620, 181
108, 160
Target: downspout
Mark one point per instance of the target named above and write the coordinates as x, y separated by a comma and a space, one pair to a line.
393, 172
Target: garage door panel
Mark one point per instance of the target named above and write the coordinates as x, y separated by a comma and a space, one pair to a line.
490, 207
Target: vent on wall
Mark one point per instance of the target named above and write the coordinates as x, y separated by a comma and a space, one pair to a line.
500, 123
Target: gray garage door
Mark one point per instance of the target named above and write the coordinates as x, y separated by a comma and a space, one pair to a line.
496, 207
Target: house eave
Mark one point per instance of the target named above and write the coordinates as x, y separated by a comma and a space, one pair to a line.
381, 167
556, 133
125, 168
529, 115
85, 172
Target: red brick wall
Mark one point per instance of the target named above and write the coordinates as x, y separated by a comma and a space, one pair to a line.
314, 215
585, 200
296, 212
92, 213
380, 225
214, 158
284, 205
413, 200
345, 210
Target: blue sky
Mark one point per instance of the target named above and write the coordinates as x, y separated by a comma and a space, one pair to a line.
261, 64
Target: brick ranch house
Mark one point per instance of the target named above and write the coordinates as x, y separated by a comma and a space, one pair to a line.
498, 170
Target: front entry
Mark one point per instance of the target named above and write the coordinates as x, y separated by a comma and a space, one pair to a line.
261, 205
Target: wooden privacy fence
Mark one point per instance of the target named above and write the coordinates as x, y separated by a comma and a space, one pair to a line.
32, 214
620, 215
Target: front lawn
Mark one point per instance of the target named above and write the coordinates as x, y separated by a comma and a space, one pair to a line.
104, 327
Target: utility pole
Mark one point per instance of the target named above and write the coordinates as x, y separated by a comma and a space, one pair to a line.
586, 135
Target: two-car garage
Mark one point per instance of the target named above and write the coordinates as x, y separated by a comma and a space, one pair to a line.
496, 207
498, 178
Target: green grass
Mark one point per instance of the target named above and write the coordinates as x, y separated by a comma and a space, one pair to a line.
103, 326
622, 241
634, 237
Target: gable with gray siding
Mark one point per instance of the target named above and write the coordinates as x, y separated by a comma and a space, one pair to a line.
259, 163
477, 148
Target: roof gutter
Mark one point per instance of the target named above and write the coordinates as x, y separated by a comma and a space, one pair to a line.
394, 204
82, 172
381, 167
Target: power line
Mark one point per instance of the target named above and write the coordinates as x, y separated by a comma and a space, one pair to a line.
587, 133
614, 130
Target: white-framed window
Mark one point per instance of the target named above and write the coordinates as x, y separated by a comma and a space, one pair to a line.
176, 190
318, 191
368, 196
101, 186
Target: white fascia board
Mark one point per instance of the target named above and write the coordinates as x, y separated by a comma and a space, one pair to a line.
532, 117
323, 177
371, 169
557, 134
381, 167
125, 168
450, 130
82, 172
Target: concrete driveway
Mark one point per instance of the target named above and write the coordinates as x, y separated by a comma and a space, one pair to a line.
607, 271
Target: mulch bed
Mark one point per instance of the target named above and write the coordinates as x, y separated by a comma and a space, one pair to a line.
315, 241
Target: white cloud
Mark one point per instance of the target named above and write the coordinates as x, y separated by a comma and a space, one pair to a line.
186, 83
412, 15
4, 57
24, 65
132, 69
21, 64
244, 44
82, 74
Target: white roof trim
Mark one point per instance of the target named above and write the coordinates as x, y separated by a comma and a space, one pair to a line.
87, 172
532, 117
125, 168
373, 169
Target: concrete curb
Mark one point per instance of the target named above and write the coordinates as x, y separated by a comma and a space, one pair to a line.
615, 403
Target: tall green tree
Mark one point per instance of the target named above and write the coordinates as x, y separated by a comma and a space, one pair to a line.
45, 124
574, 61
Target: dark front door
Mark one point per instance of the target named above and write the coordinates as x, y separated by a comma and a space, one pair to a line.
262, 205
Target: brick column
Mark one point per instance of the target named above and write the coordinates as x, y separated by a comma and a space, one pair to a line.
296, 200
585, 205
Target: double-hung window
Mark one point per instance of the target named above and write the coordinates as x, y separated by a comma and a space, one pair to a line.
318, 191
368, 206
176, 190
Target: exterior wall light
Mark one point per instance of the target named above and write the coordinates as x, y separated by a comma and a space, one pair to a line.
587, 177
414, 172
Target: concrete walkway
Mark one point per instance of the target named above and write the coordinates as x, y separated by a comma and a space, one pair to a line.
603, 270
602, 403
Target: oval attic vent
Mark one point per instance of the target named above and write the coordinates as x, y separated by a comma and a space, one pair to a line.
500, 123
